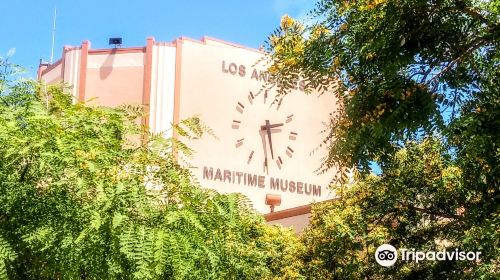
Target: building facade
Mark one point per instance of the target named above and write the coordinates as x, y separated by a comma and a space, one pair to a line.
266, 149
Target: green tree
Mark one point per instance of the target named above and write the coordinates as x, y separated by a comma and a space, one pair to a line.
419, 202
82, 197
416, 80
398, 67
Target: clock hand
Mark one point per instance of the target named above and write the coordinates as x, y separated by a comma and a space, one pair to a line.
263, 138
264, 127
268, 128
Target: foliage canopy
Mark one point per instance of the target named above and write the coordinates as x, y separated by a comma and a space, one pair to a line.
418, 84
400, 69
82, 197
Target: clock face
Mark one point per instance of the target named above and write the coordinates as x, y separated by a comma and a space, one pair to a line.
264, 131
263, 145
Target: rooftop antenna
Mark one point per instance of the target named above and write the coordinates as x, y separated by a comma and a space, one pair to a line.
53, 35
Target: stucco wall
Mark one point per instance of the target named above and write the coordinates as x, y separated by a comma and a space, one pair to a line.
114, 79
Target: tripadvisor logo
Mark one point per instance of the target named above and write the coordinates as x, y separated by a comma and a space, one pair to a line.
386, 255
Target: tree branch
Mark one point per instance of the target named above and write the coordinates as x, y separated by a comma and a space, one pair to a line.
474, 46
430, 212
460, 6
24, 172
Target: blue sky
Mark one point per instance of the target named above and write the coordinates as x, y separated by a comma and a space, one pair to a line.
27, 25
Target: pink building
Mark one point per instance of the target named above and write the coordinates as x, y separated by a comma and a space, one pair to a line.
265, 150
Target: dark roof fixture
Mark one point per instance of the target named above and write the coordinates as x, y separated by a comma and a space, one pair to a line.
115, 41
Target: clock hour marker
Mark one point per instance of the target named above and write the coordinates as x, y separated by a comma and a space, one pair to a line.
239, 142
280, 160
293, 135
236, 124
289, 118
265, 96
265, 165
251, 97
240, 107
279, 104
250, 157
289, 151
